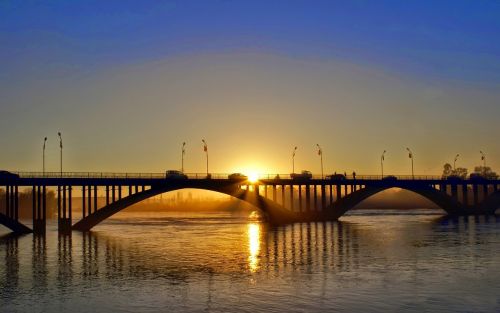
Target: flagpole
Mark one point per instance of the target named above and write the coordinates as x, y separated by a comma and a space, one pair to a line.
293, 160
411, 157
320, 152
382, 159
205, 148
183, 152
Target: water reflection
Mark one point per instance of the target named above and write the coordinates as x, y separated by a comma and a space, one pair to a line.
206, 264
254, 246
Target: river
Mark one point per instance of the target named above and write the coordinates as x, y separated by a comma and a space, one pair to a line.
383, 261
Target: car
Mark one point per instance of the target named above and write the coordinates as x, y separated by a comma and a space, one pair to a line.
390, 178
477, 176
336, 177
174, 174
453, 178
8, 175
237, 177
304, 175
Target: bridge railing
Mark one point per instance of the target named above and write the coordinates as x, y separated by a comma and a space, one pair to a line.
111, 175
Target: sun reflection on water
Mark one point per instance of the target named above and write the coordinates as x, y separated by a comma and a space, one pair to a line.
254, 233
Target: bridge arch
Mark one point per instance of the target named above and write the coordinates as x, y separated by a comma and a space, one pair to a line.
273, 212
449, 204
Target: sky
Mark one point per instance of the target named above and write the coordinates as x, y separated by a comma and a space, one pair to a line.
126, 82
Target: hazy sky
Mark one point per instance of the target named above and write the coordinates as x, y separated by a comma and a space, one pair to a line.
127, 82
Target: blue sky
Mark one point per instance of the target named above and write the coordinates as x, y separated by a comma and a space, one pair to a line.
438, 60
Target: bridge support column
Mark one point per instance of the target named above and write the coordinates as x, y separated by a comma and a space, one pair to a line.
300, 198
39, 209
274, 193
339, 192
64, 206
308, 198
323, 197
465, 194
95, 198
283, 195
107, 195
315, 195
83, 202
454, 191
475, 194
291, 198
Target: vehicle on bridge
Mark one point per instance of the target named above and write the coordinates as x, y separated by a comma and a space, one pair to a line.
455, 178
174, 174
390, 178
304, 175
237, 177
8, 175
336, 177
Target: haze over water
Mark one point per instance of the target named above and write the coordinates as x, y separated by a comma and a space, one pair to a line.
390, 261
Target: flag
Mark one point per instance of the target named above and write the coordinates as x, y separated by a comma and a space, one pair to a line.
410, 155
383, 158
205, 148
482, 158
319, 152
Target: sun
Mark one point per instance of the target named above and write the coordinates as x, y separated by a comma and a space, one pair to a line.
253, 177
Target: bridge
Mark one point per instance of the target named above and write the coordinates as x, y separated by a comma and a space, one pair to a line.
281, 198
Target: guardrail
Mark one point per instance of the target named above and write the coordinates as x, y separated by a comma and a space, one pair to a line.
110, 175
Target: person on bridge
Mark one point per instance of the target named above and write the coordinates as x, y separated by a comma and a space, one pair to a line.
354, 175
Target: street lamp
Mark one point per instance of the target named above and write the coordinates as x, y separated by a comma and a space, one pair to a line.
382, 159
483, 158
205, 148
43, 156
320, 153
61, 153
293, 160
410, 155
182, 157
455, 162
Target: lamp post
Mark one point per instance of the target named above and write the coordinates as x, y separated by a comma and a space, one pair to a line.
455, 162
43, 156
382, 159
61, 152
205, 148
182, 157
293, 160
483, 158
320, 153
410, 155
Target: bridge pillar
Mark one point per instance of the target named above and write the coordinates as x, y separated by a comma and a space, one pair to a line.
283, 195
291, 198
323, 197
39, 209
95, 198
64, 210
274, 193
107, 194
119, 193
315, 195
454, 191
330, 193
465, 194
308, 197
300, 198
339, 192
475, 194
83, 202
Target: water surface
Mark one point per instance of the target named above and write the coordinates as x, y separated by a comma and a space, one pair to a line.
219, 262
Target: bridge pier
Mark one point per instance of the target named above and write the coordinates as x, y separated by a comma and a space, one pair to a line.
39, 210
64, 209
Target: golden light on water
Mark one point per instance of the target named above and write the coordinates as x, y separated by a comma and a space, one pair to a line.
254, 232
